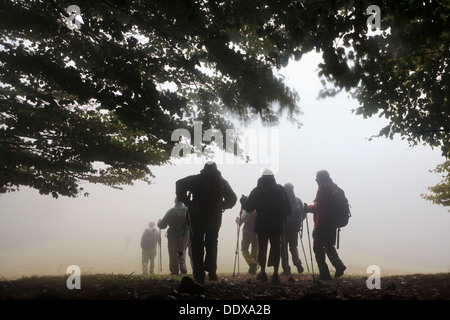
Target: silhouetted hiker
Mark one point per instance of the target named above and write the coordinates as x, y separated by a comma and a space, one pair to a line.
177, 237
291, 228
149, 240
271, 203
207, 195
249, 239
324, 233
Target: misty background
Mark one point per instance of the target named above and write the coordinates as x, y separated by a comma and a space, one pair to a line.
391, 225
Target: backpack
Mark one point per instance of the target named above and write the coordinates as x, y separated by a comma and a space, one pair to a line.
339, 207
340, 210
295, 218
148, 239
211, 194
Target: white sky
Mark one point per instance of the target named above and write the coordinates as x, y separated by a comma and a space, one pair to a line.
391, 226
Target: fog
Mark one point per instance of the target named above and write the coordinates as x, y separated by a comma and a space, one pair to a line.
391, 225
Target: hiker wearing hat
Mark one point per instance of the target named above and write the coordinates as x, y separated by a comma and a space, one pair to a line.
272, 206
149, 240
324, 233
207, 195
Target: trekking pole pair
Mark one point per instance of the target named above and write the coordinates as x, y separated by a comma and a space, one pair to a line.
236, 253
303, 248
310, 251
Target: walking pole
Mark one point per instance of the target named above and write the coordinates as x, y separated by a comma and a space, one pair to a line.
310, 252
303, 248
160, 256
236, 253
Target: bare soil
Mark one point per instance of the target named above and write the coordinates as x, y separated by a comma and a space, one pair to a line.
228, 287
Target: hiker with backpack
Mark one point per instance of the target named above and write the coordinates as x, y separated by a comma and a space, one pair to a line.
151, 237
207, 196
271, 203
177, 237
327, 209
291, 228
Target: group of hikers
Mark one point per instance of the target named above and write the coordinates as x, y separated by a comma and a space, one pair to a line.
271, 214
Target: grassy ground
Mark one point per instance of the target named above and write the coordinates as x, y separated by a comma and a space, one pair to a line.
239, 287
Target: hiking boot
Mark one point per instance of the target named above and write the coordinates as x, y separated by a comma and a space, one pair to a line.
212, 276
199, 277
324, 272
190, 286
200, 280
253, 268
300, 268
262, 276
275, 278
286, 272
340, 271
324, 277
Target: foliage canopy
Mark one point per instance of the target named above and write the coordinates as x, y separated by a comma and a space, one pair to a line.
99, 103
